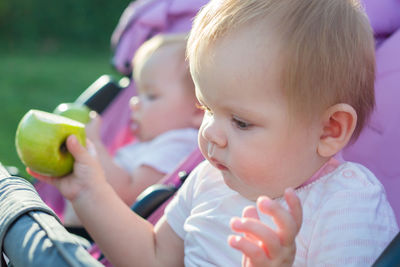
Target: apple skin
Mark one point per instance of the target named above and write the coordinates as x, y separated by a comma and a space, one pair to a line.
40, 142
75, 111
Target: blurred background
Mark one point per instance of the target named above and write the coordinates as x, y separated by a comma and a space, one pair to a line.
50, 51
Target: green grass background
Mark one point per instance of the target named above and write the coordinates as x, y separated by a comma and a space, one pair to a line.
41, 78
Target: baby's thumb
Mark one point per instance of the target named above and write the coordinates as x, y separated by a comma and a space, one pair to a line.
76, 149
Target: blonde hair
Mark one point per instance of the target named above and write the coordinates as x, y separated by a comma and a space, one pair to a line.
326, 47
154, 44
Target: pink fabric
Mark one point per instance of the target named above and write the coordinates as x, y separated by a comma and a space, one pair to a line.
383, 15
378, 147
328, 167
52, 197
115, 130
144, 18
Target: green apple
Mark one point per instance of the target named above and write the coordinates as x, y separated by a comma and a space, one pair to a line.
40, 142
75, 111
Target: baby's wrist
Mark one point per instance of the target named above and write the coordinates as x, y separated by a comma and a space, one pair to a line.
90, 194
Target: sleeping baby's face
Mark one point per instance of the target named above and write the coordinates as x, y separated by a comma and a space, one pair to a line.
164, 102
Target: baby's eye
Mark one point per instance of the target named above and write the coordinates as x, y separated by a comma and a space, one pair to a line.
150, 96
240, 123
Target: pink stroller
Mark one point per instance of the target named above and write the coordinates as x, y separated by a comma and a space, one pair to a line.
378, 147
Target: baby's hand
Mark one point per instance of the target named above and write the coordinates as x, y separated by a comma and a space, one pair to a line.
87, 172
93, 128
261, 245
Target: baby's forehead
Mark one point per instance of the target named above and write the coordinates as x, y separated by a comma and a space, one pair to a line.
165, 66
243, 56
168, 54
164, 61
257, 43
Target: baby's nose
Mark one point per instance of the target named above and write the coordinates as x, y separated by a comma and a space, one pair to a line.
214, 134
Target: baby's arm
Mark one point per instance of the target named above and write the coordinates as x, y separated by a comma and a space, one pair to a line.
70, 217
261, 245
115, 175
125, 238
127, 185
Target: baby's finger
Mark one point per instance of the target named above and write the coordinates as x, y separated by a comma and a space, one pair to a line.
260, 233
76, 149
294, 206
282, 218
250, 212
250, 249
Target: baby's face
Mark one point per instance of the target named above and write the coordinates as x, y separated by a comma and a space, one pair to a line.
163, 102
247, 132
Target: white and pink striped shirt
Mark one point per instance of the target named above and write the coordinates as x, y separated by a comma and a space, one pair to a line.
347, 220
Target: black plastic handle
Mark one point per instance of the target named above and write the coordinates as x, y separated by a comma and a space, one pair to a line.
391, 255
151, 198
101, 93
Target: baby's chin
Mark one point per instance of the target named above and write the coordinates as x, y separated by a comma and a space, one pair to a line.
235, 186
243, 189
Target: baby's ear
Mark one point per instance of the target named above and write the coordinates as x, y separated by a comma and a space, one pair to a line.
338, 122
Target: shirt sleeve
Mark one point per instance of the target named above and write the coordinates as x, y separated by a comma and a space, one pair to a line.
179, 209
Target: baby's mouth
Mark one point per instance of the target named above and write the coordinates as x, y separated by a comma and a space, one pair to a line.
218, 165
214, 161
221, 167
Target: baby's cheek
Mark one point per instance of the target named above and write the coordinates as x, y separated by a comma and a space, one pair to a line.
202, 145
